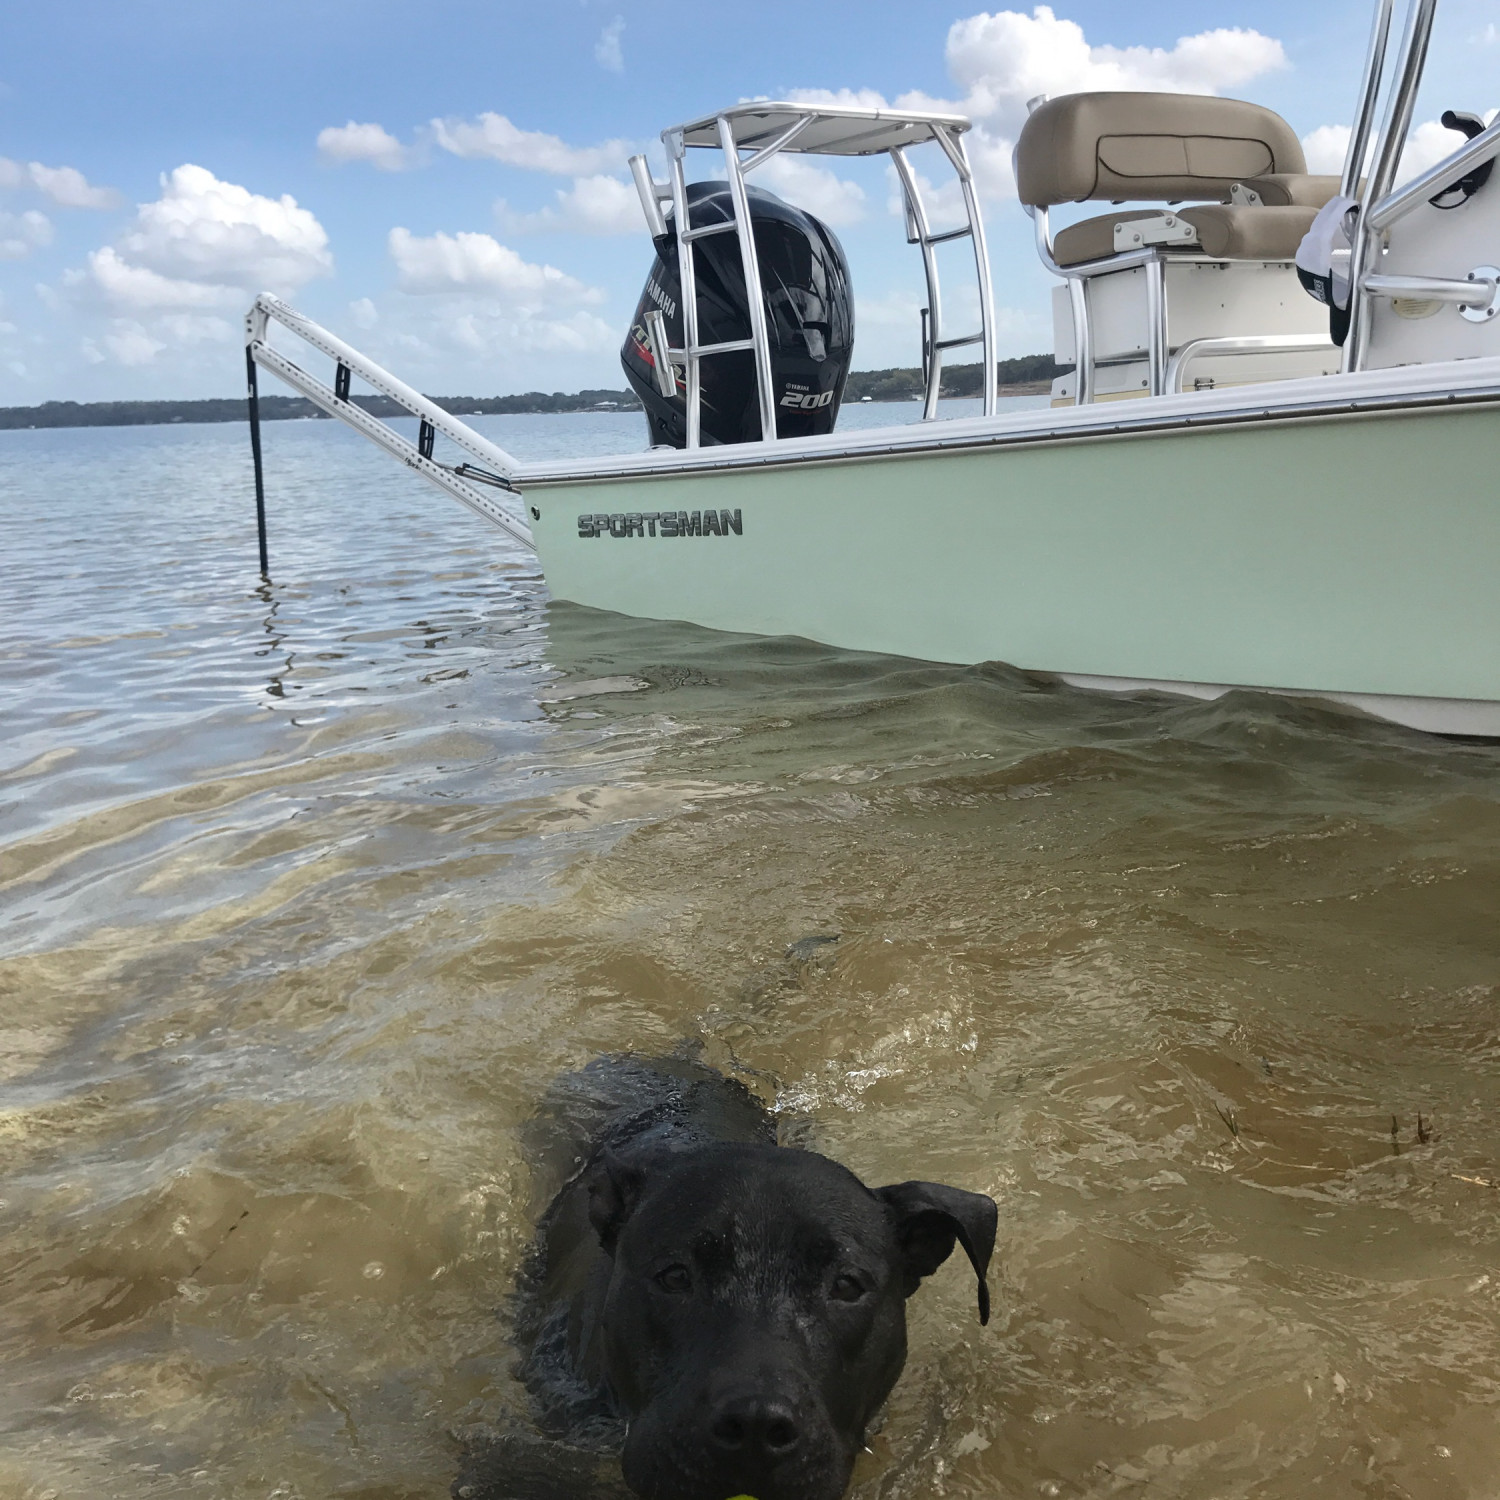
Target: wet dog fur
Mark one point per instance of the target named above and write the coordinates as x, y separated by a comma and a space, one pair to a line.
705, 1313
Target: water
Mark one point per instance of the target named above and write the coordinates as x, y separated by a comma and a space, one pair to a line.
306, 892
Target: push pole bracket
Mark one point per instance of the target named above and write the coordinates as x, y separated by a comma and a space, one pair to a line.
499, 467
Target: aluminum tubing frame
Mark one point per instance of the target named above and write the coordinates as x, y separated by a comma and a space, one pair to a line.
1484, 147
1248, 343
1157, 341
736, 171
957, 153
1359, 135
1406, 76
932, 324
1076, 278
687, 277
266, 308
919, 233
755, 296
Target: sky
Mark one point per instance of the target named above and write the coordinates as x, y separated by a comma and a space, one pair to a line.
445, 185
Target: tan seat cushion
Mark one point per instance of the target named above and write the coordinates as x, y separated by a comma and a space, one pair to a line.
1305, 190
1249, 233
1149, 147
1224, 232
1093, 239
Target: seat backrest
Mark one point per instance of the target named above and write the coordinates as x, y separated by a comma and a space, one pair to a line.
1148, 148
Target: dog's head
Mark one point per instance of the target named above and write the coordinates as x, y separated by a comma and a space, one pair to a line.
755, 1318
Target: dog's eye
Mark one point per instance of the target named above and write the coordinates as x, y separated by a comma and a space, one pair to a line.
846, 1288
675, 1279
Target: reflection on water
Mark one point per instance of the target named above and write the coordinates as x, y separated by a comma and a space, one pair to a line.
308, 889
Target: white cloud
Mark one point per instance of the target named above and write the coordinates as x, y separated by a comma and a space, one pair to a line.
1426, 146
593, 205
484, 308
130, 344
493, 136
991, 157
198, 251
198, 328
65, 186
819, 191
1001, 61
839, 98
1326, 147
69, 188
364, 313
482, 330
368, 142
133, 343
218, 234
479, 339
469, 262
139, 287
20, 234
943, 200
607, 51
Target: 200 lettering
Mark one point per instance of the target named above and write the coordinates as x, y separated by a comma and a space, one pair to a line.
810, 402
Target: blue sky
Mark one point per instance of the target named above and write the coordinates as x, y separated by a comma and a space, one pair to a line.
160, 161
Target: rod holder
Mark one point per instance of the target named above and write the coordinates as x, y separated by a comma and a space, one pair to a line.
651, 194
661, 353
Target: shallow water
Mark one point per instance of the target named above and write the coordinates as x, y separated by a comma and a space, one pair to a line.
307, 891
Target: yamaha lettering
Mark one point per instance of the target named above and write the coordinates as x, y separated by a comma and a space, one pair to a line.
668, 523
660, 298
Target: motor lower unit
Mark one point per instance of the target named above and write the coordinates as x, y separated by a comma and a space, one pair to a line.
809, 322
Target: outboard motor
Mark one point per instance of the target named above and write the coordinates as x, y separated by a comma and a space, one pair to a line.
809, 322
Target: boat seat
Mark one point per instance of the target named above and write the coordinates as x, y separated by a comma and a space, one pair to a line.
1223, 231
1161, 148
1281, 189
1234, 195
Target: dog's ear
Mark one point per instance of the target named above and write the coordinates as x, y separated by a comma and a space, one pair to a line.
929, 1216
614, 1185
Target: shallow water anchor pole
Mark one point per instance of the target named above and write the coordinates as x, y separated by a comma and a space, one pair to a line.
260, 483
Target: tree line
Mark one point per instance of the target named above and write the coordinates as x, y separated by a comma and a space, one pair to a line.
1034, 371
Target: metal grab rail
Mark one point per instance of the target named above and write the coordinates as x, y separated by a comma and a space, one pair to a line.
1248, 343
457, 482
1478, 292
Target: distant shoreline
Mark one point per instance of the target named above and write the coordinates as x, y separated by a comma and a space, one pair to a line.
1027, 376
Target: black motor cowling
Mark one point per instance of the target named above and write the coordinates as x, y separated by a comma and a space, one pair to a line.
809, 322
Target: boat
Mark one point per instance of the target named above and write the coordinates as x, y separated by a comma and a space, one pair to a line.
1236, 484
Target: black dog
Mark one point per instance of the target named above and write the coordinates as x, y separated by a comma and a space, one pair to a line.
729, 1312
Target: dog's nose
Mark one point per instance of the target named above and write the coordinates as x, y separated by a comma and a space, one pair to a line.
748, 1425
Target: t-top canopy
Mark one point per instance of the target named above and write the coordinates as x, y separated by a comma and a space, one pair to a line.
832, 130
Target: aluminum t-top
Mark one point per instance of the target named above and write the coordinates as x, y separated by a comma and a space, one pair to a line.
765, 128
